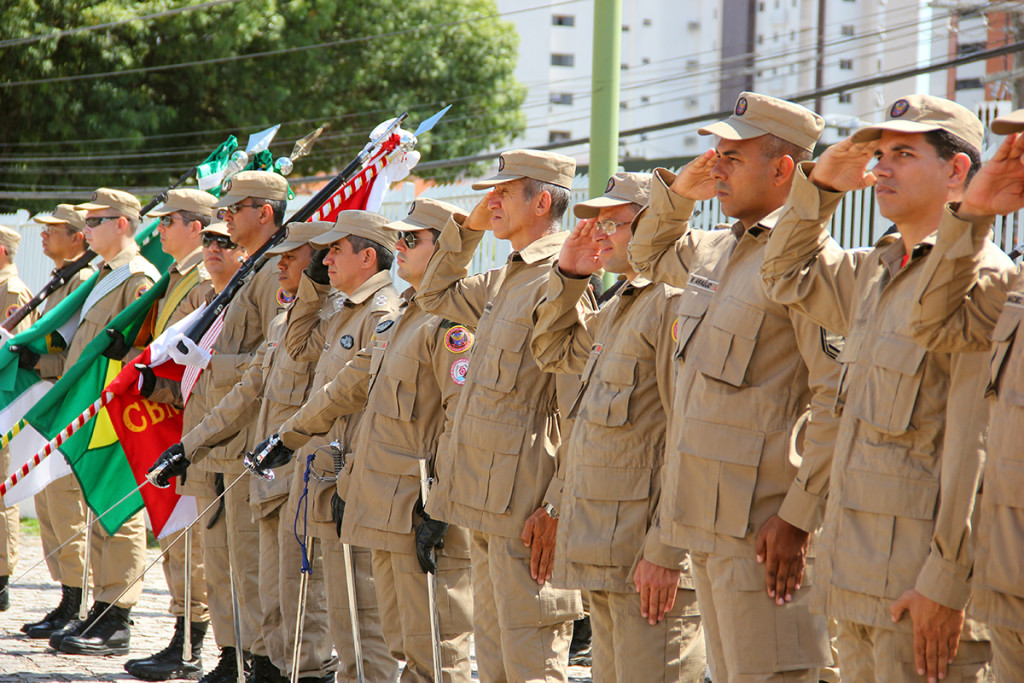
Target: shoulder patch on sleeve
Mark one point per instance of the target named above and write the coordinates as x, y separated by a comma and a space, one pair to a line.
384, 326
458, 339
141, 289
11, 310
832, 344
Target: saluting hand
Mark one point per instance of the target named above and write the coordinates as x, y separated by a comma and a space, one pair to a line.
998, 187
657, 587
694, 181
936, 632
480, 217
539, 536
782, 548
844, 166
580, 253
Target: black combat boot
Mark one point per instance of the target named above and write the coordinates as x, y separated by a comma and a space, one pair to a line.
76, 625
264, 671
108, 635
5, 594
167, 663
326, 678
59, 616
226, 670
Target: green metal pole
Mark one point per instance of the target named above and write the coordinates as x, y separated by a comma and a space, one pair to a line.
604, 106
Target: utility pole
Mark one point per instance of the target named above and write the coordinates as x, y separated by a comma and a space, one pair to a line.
604, 112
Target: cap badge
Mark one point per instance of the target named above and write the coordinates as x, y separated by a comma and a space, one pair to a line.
501, 164
95, 196
412, 207
611, 184
227, 185
899, 108
741, 106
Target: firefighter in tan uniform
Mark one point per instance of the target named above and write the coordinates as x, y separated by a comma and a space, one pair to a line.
13, 295
643, 608
273, 388
253, 204
60, 507
733, 495
112, 218
962, 304
360, 252
497, 477
896, 553
406, 382
183, 216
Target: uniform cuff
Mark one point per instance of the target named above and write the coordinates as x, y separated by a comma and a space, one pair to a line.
807, 200
660, 554
664, 202
311, 292
945, 582
964, 234
803, 510
291, 439
553, 495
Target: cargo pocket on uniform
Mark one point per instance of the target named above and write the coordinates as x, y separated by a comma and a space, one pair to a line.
616, 496
893, 382
691, 308
290, 383
496, 362
485, 480
395, 480
1003, 569
396, 394
720, 476
730, 338
616, 379
1002, 338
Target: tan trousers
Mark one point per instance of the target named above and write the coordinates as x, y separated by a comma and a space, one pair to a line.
10, 533
174, 573
61, 512
627, 648
868, 654
118, 560
1007, 653
316, 651
749, 638
405, 613
522, 629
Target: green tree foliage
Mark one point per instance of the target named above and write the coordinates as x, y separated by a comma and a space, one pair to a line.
143, 129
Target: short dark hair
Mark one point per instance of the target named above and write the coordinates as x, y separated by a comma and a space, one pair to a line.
560, 196
384, 256
189, 216
948, 146
279, 206
773, 147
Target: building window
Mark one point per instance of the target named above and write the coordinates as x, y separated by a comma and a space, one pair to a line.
692, 64
559, 136
647, 22
760, 7
846, 64
691, 101
563, 20
760, 39
623, 105
968, 83
644, 99
846, 29
690, 140
845, 98
970, 48
693, 25
561, 98
562, 60
625, 27
645, 60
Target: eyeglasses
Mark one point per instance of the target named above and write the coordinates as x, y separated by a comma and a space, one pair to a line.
165, 221
609, 226
410, 239
221, 241
234, 208
96, 221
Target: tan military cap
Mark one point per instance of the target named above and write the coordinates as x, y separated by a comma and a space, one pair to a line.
195, 201
547, 167
64, 213
9, 239
756, 115
623, 188
1011, 123
924, 113
123, 202
218, 228
427, 214
366, 224
259, 184
299, 233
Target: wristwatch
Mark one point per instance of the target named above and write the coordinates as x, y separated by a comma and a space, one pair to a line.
551, 510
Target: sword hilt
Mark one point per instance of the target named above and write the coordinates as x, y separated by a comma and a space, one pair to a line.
253, 463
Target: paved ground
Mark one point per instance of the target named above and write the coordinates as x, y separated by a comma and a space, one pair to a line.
31, 661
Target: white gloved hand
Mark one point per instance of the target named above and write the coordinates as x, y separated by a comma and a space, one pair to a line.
194, 356
5, 335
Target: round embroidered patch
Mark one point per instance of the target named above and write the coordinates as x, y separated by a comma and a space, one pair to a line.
140, 290
611, 184
346, 341
899, 108
284, 298
384, 326
675, 331
458, 339
11, 310
741, 106
459, 370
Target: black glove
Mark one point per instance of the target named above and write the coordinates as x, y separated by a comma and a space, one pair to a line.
27, 358
148, 379
337, 511
429, 538
279, 454
316, 270
118, 347
171, 463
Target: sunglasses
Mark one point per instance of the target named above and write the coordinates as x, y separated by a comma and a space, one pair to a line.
234, 208
410, 239
165, 221
95, 221
609, 227
221, 241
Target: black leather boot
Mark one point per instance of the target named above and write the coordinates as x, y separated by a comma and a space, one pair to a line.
167, 663
226, 670
264, 671
59, 616
108, 635
76, 625
326, 678
5, 594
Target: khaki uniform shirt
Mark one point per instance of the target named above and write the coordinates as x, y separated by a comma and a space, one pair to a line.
506, 427
246, 324
964, 304
911, 442
282, 384
406, 383
14, 294
331, 342
51, 365
614, 457
751, 368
